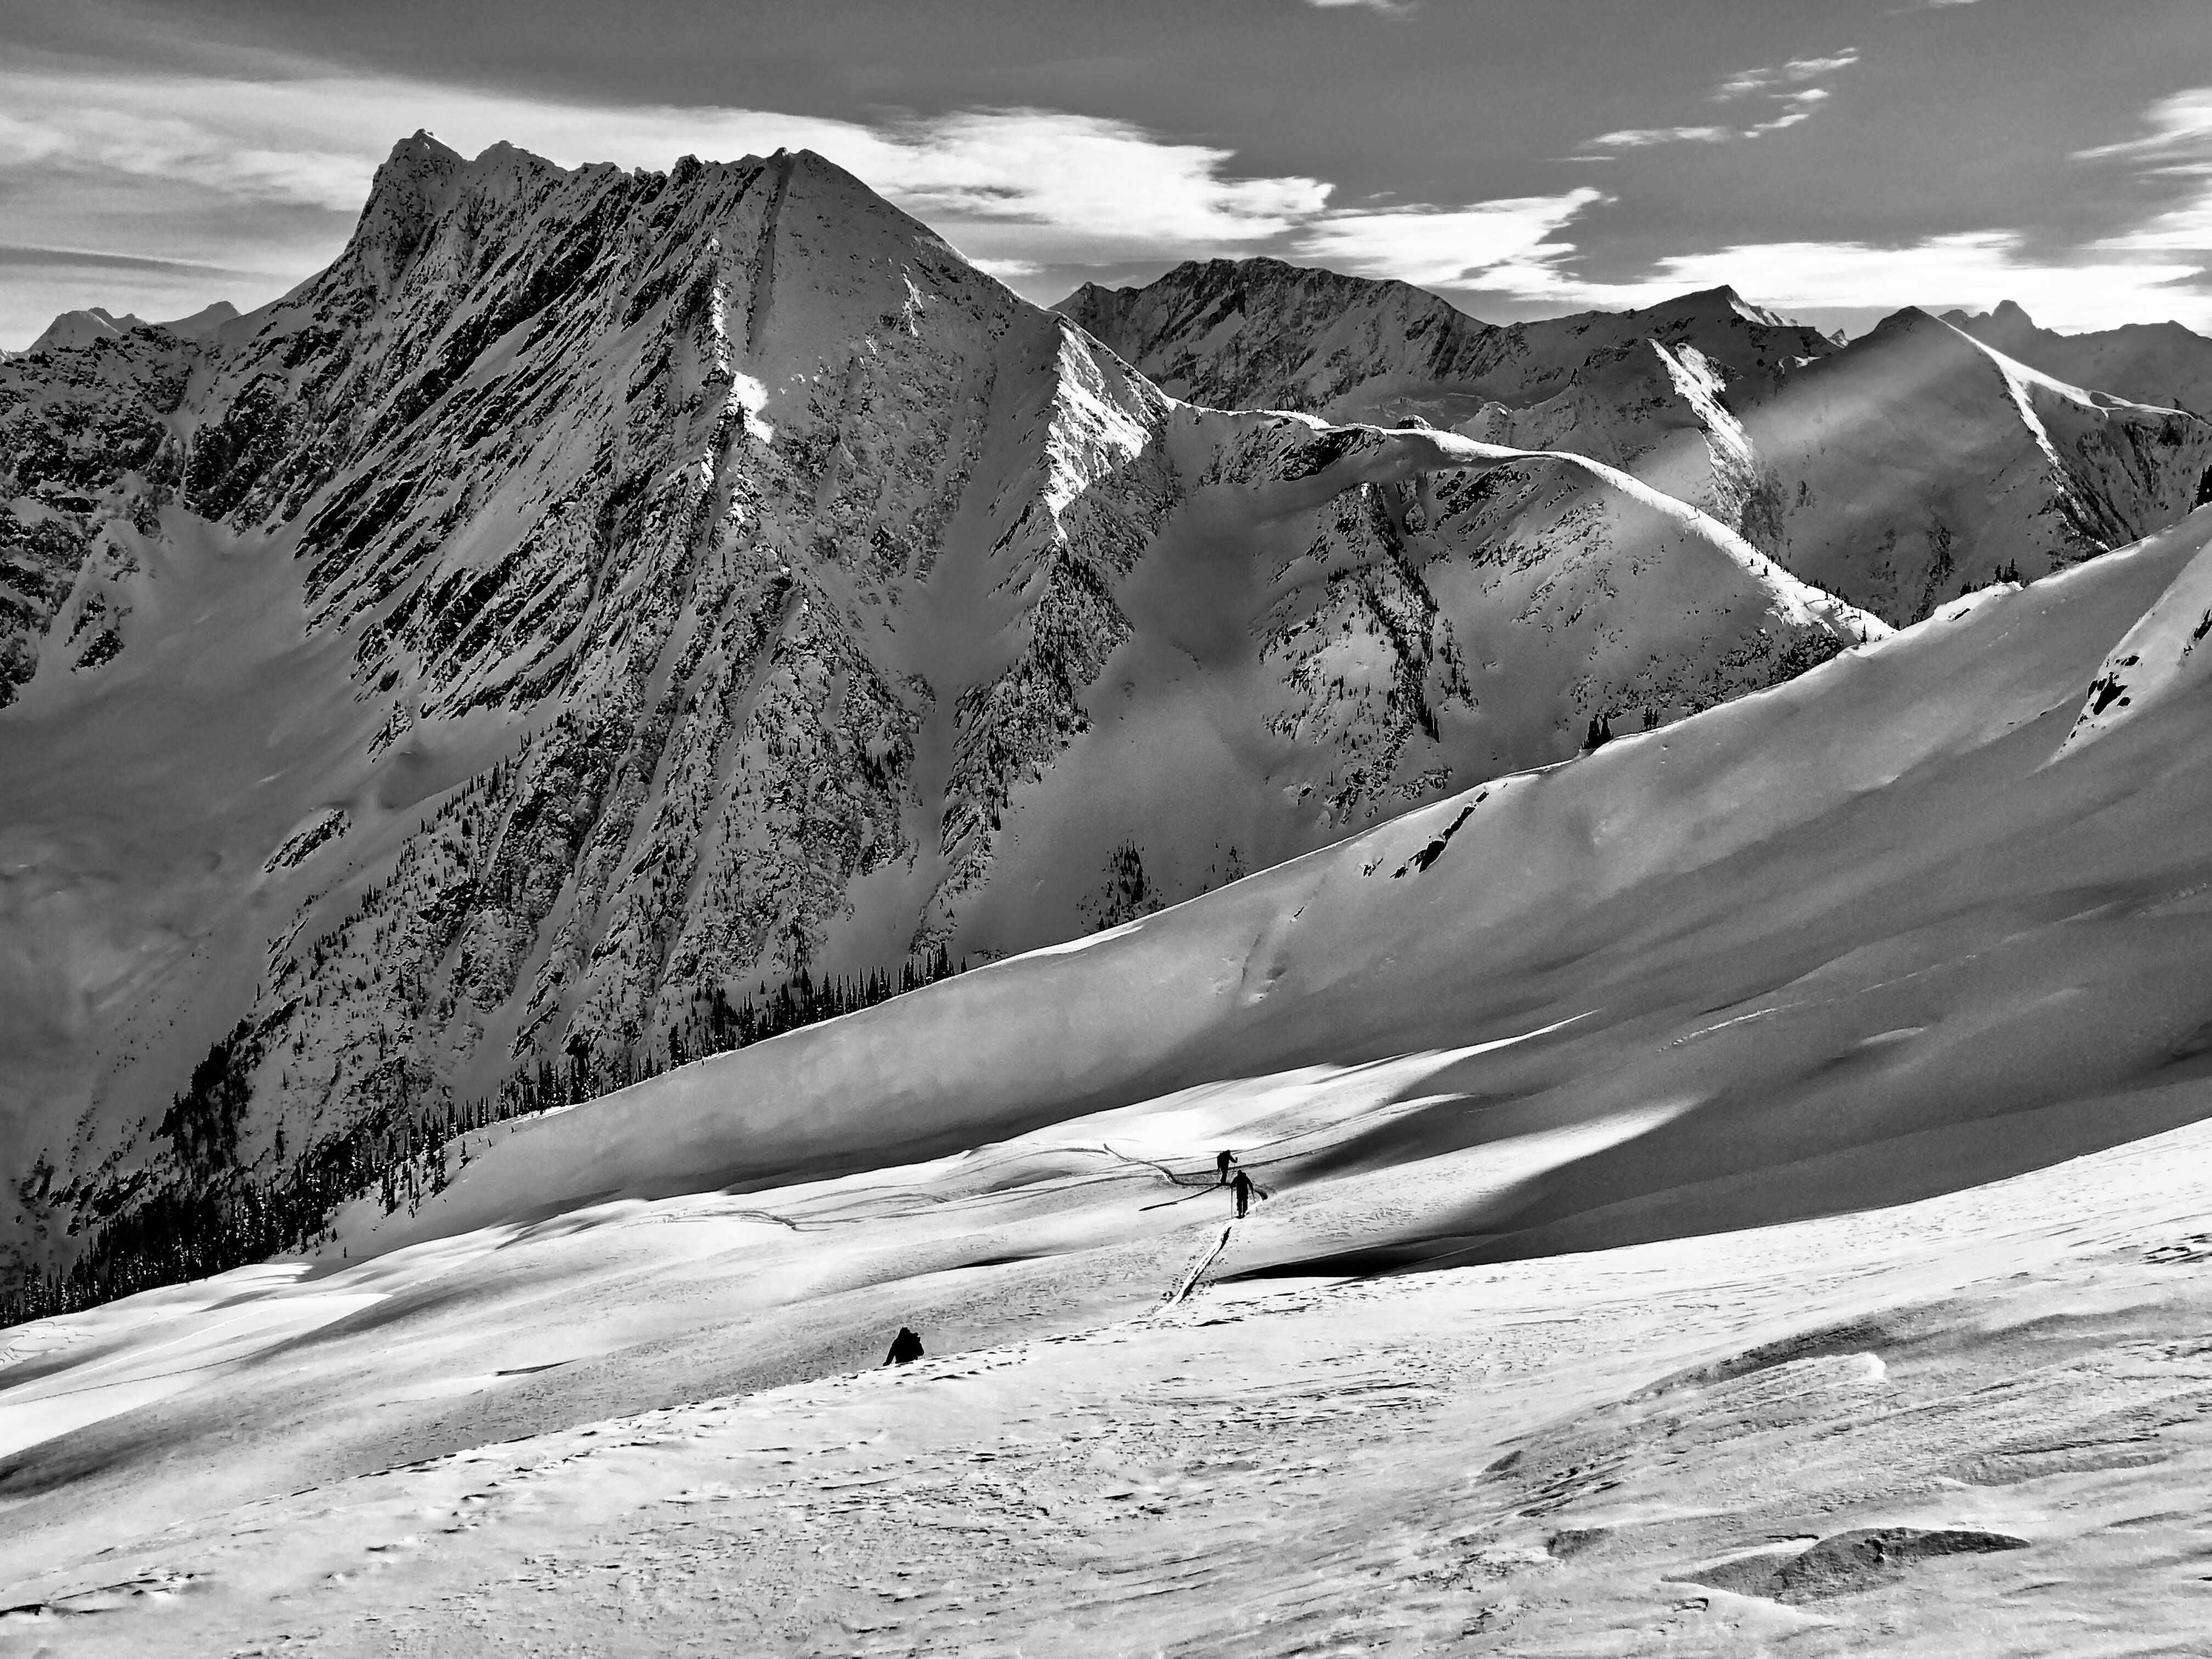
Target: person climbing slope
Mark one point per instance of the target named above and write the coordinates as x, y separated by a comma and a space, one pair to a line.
906, 1348
1244, 1188
1221, 1162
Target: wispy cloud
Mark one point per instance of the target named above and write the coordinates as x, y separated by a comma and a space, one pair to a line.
1498, 244
2180, 132
2178, 147
149, 192
1636, 138
1975, 268
1779, 77
316, 140
1521, 248
14, 255
205, 163
1795, 107
1783, 88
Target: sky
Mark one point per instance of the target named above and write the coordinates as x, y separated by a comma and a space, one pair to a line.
1833, 159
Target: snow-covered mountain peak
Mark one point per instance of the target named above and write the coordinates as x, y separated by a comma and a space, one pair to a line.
407, 191
1716, 304
2161, 364
204, 324
73, 331
1909, 321
1263, 333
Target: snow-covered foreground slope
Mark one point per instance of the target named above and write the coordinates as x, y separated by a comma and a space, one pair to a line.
1973, 1425
1870, 938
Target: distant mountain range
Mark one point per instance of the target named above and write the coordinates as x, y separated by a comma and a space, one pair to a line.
2158, 364
1896, 471
73, 331
603, 597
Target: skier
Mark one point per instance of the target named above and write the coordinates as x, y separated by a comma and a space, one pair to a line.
906, 1348
1221, 1162
1245, 1189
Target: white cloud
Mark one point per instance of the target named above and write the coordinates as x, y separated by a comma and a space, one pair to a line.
264, 171
1796, 72
2178, 146
2184, 229
73, 135
1007, 271
1795, 107
1020, 184
1514, 247
1489, 245
1076, 185
1973, 268
1636, 138
1783, 85
2180, 136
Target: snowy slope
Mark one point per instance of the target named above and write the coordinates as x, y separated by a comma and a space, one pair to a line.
1829, 934
635, 588
1965, 1424
1859, 940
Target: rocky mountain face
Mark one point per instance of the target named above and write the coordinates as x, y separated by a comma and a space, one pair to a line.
1896, 471
2162, 364
91, 458
602, 595
1259, 333
1652, 392
73, 331
1917, 464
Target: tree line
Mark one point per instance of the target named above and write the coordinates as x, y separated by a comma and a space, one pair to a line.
213, 1213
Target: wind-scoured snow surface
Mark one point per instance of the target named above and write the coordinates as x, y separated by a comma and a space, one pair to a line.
1796, 1114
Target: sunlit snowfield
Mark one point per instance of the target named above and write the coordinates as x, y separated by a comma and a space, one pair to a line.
1743, 1191
1613, 1452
